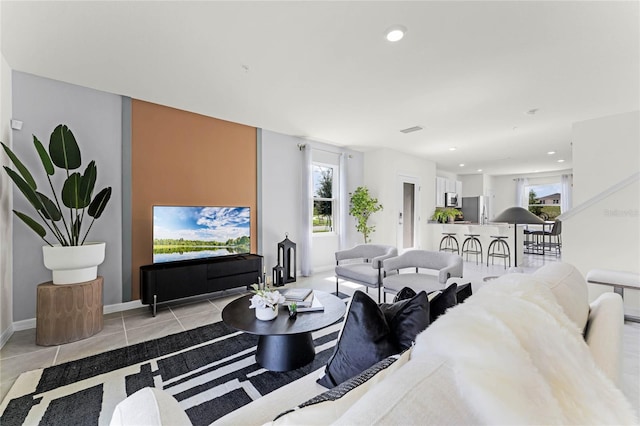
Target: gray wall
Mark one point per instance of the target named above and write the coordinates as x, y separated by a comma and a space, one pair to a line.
96, 121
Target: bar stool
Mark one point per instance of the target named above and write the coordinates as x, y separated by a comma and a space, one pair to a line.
498, 247
449, 242
472, 245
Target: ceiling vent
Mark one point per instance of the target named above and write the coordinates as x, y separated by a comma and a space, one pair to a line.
411, 129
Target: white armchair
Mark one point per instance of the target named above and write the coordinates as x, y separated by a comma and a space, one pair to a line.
447, 265
362, 264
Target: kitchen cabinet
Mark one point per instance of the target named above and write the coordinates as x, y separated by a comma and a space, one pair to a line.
444, 185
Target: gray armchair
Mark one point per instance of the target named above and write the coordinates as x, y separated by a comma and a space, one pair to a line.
444, 266
362, 264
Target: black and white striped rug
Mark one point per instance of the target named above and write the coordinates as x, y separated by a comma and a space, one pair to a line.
210, 370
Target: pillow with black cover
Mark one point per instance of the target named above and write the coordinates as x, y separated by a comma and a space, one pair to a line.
365, 339
405, 293
442, 302
407, 318
463, 292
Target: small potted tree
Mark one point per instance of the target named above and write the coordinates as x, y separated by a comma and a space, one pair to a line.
66, 214
362, 207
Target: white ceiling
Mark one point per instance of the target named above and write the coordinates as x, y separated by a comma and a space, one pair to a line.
467, 72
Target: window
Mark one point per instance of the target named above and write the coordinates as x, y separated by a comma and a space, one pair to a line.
544, 200
324, 202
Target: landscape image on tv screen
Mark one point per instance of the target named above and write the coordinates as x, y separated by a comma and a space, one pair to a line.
185, 233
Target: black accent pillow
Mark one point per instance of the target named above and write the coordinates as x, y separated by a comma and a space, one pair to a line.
407, 318
365, 339
442, 302
405, 293
462, 292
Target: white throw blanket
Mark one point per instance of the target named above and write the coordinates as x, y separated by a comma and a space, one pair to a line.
518, 359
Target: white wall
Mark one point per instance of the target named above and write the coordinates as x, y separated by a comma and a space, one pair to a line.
607, 235
282, 194
96, 120
6, 245
381, 171
502, 189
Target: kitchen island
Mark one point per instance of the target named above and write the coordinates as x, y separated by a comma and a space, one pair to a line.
485, 232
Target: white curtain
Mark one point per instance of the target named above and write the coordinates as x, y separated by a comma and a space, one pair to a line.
522, 199
566, 200
305, 220
343, 203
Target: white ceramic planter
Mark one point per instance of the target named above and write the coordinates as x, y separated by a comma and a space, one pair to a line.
266, 314
74, 264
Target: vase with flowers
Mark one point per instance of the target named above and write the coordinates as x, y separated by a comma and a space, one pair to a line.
265, 301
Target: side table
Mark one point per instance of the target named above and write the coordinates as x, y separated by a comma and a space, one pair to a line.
68, 312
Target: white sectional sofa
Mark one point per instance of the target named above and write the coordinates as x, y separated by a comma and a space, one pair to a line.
525, 349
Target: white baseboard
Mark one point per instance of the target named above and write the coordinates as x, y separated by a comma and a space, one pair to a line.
31, 322
6, 334
24, 324
124, 306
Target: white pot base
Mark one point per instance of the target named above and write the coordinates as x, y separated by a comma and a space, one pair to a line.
75, 276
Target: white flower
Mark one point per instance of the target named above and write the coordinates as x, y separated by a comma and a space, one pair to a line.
266, 299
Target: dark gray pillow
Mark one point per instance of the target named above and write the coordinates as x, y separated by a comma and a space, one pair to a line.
442, 302
462, 292
405, 293
365, 339
407, 318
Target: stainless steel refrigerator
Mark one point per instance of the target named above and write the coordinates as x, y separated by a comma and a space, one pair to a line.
475, 209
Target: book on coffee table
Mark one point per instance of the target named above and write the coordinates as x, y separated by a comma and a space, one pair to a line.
297, 294
308, 301
316, 306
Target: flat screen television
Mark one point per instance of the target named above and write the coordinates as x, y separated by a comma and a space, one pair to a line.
192, 232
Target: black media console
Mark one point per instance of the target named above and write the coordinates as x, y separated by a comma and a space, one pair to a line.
162, 282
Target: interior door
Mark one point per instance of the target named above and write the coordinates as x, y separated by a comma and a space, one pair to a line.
408, 218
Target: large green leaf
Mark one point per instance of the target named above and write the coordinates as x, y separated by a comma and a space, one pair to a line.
21, 168
71, 192
99, 203
75, 231
44, 157
25, 188
88, 182
39, 229
64, 149
50, 210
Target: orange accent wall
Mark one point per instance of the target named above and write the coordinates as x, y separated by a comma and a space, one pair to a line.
182, 158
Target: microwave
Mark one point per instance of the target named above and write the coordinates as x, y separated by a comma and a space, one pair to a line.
451, 199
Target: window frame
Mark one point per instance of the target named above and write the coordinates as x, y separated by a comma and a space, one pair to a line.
334, 199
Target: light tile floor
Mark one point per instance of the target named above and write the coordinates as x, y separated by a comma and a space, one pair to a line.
21, 354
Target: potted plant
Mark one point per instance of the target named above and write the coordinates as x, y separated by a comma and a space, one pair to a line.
72, 259
445, 215
265, 301
362, 207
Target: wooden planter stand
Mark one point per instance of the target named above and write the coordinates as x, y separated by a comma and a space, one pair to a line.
69, 312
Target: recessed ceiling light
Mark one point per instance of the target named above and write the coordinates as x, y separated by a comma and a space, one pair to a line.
551, 152
395, 33
560, 161
479, 170
461, 164
453, 148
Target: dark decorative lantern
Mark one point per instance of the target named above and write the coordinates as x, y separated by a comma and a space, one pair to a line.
278, 275
287, 258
